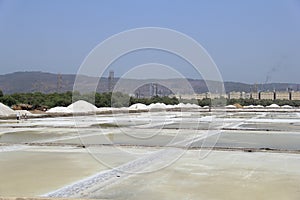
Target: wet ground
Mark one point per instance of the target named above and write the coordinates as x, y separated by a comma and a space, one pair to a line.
36, 171
221, 175
49, 156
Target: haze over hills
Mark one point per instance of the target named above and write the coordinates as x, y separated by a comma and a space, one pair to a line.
22, 82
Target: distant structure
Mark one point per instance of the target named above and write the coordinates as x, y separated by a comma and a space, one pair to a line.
207, 95
235, 95
111, 80
284, 95
150, 90
267, 95
138, 94
59, 83
254, 95
255, 87
295, 95
153, 91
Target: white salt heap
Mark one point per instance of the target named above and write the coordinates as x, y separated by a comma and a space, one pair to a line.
230, 106
273, 106
193, 105
186, 106
138, 106
6, 111
82, 107
85, 107
258, 106
286, 107
189, 105
157, 106
77, 107
59, 109
170, 106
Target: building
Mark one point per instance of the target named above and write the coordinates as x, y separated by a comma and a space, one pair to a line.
279, 95
186, 96
267, 95
254, 95
282, 95
214, 95
295, 95
245, 95
234, 95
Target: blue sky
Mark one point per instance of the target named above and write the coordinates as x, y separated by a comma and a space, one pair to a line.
252, 41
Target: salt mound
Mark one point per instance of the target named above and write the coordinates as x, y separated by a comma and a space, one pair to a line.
170, 106
253, 107
6, 111
59, 109
180, 105
82, 107
187, 106
258, 106
273, 106
138, 106
157, 106
286, 107
191, 105
230, 107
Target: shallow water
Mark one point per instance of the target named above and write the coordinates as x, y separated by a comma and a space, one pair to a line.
289, 126
221, 175
240, 139
29, 136
34, 173
37, 170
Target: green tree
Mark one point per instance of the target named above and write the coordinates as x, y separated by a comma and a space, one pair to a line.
205, 102
8, 100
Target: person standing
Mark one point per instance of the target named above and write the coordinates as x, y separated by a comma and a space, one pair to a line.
18, 116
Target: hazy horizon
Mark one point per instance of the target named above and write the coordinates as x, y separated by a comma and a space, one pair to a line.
117, 77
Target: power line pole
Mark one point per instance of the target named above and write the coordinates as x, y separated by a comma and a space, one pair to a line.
59, 83
111, 79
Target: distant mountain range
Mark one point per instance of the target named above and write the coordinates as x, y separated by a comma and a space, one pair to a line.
23, 82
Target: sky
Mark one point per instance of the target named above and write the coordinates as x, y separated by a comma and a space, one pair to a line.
251, 41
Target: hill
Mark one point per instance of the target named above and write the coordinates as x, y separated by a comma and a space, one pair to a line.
23, 82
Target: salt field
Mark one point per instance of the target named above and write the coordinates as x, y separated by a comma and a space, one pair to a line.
222, 175
161, 154
149, 100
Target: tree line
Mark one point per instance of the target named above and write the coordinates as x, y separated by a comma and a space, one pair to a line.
40, 100
263, 102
